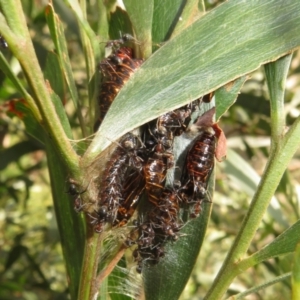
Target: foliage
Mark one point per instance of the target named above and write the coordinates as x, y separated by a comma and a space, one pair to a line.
193, 55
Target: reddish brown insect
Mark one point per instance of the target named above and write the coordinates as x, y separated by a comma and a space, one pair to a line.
198, 167
200, 158
155, 172
159, 142
116, 70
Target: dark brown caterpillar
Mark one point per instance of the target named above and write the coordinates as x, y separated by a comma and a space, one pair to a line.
133, 187
121, 184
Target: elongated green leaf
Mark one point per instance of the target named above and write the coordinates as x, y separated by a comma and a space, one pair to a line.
53, 73
84, 25
57, 33
296, 274
228, 42
256, 289
246, 178
283, 244
227, 95
166, 15
69, 222
168, 278
119, 24
277, 72
140, 13
102, 26
191, 11
61, 113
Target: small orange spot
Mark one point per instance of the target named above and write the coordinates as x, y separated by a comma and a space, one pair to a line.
229, 86
10, 107
221, 150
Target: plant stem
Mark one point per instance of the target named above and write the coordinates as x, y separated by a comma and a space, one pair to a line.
22, 48
90, 265
276, 74
276, 166
281, 153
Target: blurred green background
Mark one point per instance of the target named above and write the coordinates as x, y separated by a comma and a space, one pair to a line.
31, 262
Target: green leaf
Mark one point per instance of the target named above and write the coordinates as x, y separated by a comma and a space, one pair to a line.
243, 176
256, 289
54, 74
296, 274
168, 278
283, 244
276, 74
119, 24
187, 248
61, 113
57, 33
58, 37
33, 127
166, 15
228, 42
70, 224
227, 95
140, 13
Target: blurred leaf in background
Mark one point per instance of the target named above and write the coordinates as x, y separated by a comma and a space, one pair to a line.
31, 261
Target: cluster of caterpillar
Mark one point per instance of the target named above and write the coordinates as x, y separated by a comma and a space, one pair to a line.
140, 164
